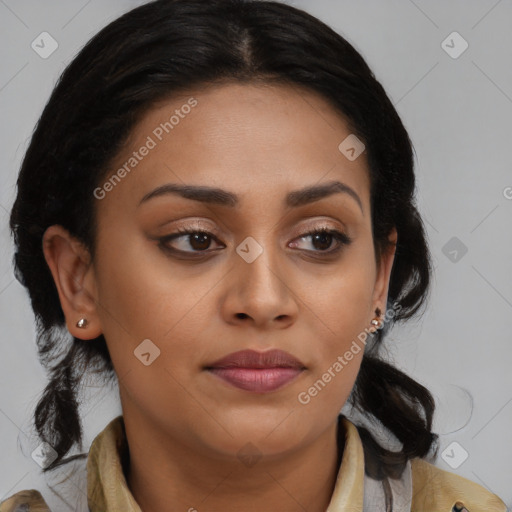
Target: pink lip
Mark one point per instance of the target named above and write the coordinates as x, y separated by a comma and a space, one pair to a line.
260, 372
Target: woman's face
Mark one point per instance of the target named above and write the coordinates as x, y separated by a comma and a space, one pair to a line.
171, 304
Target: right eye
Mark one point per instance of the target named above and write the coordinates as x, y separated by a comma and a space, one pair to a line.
197, 239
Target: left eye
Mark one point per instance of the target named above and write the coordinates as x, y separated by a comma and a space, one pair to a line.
322, 239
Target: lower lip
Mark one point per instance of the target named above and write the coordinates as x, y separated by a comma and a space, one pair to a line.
259, 380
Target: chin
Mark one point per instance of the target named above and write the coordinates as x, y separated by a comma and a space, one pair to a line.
258, 430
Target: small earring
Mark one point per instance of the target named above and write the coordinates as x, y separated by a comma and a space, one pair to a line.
376, 322
82, 323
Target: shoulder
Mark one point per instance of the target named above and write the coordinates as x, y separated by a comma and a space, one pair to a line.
25, 501
435, 490
74, 489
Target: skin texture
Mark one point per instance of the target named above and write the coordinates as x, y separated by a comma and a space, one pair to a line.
184, 425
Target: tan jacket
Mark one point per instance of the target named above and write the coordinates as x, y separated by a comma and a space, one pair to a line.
423, 487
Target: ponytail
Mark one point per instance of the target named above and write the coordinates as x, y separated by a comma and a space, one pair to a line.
56, 417
403, 406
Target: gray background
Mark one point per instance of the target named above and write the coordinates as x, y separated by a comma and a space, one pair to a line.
457, 111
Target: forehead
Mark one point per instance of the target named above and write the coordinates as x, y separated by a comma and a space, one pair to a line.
243, 137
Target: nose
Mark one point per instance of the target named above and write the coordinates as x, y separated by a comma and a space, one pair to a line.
260, 292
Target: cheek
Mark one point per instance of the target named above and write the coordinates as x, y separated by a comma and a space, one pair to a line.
342, 307
139, 287
339, 351
342, 301
142, 300
141, 295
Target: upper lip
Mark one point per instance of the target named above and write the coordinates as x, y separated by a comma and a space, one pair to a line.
252, 359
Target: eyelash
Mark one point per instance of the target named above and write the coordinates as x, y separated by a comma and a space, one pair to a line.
340, 237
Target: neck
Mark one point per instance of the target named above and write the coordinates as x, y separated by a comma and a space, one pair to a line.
163, 475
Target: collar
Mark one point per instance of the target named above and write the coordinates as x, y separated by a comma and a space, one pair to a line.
107, 488
99, 485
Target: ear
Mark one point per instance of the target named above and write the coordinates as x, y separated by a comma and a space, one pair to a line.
70, 265
385, 265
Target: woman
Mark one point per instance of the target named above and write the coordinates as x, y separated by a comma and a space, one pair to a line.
217, 209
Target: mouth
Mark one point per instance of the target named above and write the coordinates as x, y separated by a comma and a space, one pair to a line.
258, 372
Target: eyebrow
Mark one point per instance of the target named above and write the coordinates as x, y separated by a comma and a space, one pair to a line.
222, 197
